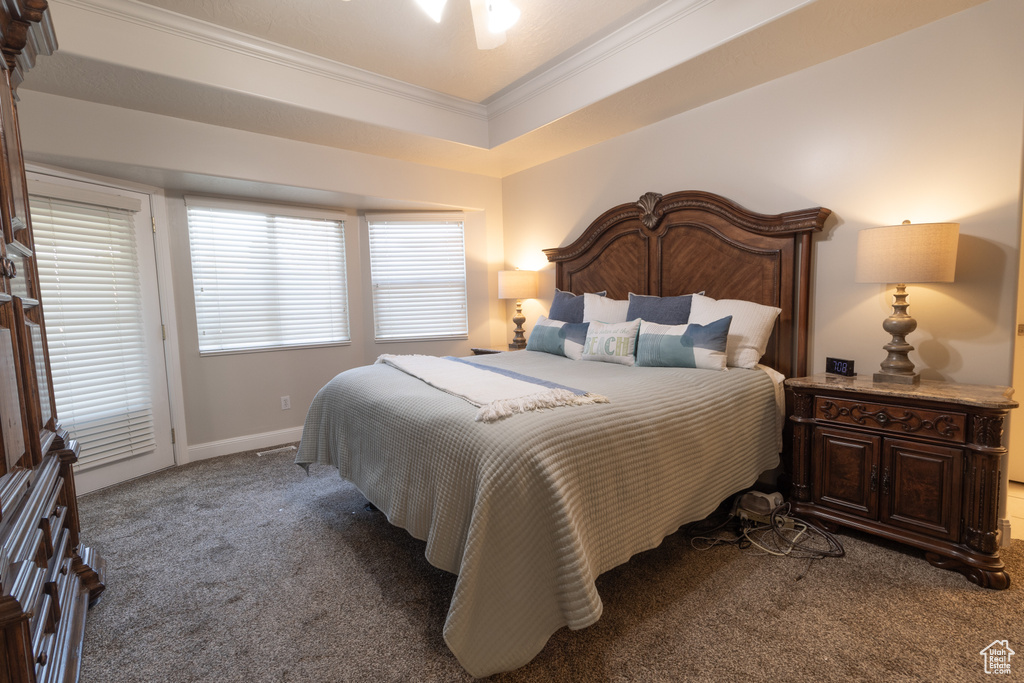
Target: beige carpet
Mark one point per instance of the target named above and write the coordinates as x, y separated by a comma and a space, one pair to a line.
242, 568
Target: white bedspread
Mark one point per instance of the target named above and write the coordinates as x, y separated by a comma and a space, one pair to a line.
529, 510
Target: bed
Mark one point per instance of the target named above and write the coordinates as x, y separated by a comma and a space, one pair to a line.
528, 510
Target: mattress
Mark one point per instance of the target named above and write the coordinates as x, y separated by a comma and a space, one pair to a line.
529, 510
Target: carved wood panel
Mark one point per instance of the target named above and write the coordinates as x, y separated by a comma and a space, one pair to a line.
925, 487
945, 425
848, 471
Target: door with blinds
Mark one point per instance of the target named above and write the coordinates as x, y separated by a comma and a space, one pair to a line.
97, 276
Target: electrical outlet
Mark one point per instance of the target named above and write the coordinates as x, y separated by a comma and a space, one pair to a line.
286, 402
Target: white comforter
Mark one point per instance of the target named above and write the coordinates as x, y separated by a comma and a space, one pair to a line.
529, 510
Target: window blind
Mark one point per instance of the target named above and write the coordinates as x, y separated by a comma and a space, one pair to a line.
418, 275
266, 281
89, 279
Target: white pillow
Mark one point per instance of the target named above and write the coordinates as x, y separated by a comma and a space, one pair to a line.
749, 331
604, 310
612, 342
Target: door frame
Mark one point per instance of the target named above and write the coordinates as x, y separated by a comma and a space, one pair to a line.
165, 293
1015, 437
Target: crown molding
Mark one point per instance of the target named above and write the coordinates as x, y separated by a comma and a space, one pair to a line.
658, 41
189, 28
591, 57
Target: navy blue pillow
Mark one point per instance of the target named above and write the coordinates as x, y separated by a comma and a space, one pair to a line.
567, 307
664, 310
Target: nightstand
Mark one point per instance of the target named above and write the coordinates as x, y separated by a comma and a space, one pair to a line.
482, 351
918, 464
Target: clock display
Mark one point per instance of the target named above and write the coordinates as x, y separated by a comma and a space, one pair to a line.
839, 366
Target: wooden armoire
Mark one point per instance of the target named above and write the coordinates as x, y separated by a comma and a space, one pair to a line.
48, 578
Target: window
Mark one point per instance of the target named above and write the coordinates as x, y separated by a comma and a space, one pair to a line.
89, 279
418, 275
267, 279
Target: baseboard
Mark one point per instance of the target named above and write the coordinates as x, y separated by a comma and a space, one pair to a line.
1004, 532
252, 442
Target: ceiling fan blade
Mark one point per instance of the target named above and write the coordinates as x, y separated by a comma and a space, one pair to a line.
433, 8
485, 40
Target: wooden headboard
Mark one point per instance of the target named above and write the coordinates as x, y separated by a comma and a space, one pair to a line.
690, 241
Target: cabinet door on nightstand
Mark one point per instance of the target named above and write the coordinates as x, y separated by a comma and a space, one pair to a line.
847, 471
922, 482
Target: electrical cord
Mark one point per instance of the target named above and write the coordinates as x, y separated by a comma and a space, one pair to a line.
783, 536
772, 537
702, 534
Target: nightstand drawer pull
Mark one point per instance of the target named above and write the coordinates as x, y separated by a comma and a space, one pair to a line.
945, 425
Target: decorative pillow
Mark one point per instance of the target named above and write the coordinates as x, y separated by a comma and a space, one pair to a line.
612, 342
749, 331
604, 310
683, 346
567, 307
664, 310
557, 337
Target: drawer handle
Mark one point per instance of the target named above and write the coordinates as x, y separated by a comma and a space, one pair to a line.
874, 478
41, 659
885, 481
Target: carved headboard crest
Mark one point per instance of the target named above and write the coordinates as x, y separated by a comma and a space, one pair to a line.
694, 241
648, 204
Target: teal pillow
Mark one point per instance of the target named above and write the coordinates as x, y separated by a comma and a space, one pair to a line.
683, 346
559, 338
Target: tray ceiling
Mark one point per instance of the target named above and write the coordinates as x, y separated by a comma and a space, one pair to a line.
379, 76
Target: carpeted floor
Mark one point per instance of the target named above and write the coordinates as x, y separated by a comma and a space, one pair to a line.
242, 568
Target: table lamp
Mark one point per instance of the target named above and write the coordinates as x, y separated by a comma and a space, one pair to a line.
901, 254
518, 285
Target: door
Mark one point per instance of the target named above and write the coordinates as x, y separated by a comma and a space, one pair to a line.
97, 274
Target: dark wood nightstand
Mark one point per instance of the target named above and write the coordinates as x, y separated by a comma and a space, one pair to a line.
915, 464
481, 351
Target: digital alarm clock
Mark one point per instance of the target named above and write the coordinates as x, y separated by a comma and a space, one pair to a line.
839, 366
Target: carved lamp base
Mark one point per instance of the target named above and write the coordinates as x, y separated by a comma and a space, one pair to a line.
897, 367
519, 338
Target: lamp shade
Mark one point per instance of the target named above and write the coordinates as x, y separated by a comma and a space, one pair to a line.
901, 254
517, 284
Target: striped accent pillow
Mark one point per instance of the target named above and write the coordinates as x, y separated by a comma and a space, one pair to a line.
558, 338
683, 346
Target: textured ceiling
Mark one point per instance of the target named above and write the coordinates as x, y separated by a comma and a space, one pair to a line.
395, 38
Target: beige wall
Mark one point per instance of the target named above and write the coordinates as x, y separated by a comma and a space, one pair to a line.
230, 398
926, 126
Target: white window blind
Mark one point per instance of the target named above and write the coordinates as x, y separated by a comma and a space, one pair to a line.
418, 275
266, 280
89, 278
